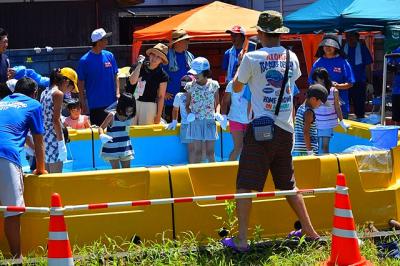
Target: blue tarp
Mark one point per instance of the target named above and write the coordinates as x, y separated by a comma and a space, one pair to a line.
341, 15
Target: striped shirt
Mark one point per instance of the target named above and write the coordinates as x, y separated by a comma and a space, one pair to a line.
120, 146
326, 116
299, 144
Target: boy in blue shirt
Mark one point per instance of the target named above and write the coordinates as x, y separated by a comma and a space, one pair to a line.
19, 113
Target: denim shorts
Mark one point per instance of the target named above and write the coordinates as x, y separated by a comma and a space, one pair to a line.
328, 132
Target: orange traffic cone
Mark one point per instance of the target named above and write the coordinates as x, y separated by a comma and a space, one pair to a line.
59, 249
345, 249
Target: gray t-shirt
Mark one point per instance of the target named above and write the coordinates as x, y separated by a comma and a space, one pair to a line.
263, 71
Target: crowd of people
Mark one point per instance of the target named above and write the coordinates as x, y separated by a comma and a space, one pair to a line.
172, 85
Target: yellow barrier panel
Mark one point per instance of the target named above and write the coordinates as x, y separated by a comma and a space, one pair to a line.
374, 196
273, 215
147, 222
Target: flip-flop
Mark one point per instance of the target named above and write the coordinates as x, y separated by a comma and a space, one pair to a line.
230, 243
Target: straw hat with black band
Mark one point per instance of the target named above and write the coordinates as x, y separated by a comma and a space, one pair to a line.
160, 50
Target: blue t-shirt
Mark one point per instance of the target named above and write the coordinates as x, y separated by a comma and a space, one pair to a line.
396, 80
98, 71
225, 60
339, 71
4, 65
359, 70
18, 114
174, 83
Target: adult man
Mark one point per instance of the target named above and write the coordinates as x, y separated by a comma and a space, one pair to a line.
4, 61
19, 113
230, 59
97, 78
179, 59
359, 58
263, 70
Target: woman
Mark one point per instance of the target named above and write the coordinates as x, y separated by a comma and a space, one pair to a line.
333, 60
61, 81
150, 84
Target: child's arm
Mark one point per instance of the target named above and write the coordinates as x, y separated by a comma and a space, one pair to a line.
86, 122
188, 100
175, 112
226, 101
337, 104
106, 123
216, 99
58, 99
308, 119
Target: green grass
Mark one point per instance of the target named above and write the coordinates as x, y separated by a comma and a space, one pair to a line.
189, 250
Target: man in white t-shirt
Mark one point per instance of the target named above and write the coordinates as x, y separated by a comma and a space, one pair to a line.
263, 70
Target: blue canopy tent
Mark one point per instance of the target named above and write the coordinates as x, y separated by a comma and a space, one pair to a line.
320, 16
367, 13
342, 15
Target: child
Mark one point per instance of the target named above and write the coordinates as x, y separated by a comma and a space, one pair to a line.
305, 130
202, 99
180, 105
326, 116
238, 117
75, 119
117, 147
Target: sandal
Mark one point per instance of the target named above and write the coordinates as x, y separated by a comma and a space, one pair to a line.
229, 242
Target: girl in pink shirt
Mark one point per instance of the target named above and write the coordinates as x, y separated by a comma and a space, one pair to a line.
76, 120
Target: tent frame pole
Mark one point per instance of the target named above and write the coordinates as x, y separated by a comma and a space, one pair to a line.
384, 83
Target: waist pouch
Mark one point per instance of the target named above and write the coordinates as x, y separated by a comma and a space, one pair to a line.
263, 128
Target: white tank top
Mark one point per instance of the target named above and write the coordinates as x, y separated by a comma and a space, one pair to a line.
326, 116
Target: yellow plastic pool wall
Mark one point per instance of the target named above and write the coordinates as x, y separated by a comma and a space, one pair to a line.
85, 227
374, 197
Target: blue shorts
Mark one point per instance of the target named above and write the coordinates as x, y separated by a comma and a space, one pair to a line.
328, 132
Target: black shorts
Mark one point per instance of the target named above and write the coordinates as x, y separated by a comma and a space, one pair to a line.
396, 107
258, 157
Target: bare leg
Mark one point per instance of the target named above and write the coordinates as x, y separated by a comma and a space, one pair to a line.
114, 164
203, 151
237, 137
299, 207
325, 144
54, 167
210, 150
12, 230
197, 144
243, 210
191, 152
126, 164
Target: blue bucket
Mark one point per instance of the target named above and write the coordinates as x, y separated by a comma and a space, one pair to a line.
384, 137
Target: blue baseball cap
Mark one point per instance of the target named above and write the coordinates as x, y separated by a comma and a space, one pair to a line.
199, 65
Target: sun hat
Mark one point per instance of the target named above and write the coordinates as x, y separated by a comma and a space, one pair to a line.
199, 65
330, 40
237, 29
179, 35
71, 75
99, 34
161, 50
271, 21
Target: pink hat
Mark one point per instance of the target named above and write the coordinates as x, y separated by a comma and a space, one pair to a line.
237, 29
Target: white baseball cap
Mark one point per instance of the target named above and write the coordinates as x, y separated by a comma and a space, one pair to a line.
199, 65
99, 34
